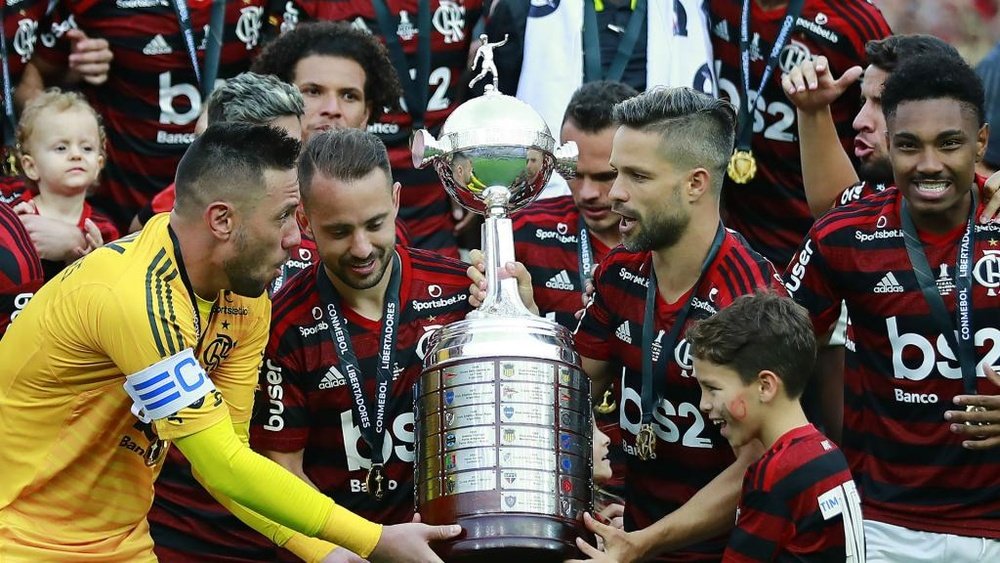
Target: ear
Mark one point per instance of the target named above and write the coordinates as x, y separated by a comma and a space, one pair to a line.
768, 385
368, 113
982, 140
220, 217
395, 196
303, 219
699, 182
29, 168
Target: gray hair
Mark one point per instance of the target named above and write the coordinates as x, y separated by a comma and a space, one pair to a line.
254, 98
341, 154
697, 130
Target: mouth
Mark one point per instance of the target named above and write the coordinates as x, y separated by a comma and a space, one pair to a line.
721, 424
931, 189
627, 222
862, 149
363, 269
595, 213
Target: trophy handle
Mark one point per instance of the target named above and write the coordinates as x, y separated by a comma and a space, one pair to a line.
502, 298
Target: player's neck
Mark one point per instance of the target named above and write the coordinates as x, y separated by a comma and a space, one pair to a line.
68, 208
780, 419
678, 267
204, 270
366, 302
609, 238
943, 221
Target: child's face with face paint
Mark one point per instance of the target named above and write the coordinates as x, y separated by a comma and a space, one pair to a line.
729, 403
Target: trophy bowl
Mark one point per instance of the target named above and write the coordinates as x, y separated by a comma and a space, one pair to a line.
502, 411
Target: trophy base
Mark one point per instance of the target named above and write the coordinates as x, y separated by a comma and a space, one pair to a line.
525, 538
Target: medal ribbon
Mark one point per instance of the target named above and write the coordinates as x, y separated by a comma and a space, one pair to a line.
744, 137
213, 47
373, 432
653, 388
585, 257
592, 44
961, 341
414, 89
10, 118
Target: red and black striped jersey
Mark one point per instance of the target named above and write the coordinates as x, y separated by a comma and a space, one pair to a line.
308, 404
771, 210
12, 189
857, 191
689, 451
23, 22
547, 242
151, 99
424, 205
797, 501
20, 271
900, 373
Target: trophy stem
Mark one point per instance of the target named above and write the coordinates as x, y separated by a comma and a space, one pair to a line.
502, 298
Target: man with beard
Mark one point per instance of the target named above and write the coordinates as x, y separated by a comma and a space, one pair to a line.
156, 338
349, 335
828, 175
921, 407
677, 264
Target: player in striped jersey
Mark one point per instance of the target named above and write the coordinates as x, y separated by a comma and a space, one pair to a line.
20, 271
425, 208
799, 503
771, 209
152, 96
309, 421
678, 264
908, 261
120, 355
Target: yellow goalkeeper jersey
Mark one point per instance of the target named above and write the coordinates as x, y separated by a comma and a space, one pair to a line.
76, 465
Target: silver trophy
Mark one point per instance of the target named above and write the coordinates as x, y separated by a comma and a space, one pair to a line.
502, 408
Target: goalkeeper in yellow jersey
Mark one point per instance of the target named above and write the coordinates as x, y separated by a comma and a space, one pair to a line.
154, 340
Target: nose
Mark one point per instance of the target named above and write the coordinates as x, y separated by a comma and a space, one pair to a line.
863, 121
929, 164
361, 244
292, 237
618, 192
704, 404
330, 106
589, 189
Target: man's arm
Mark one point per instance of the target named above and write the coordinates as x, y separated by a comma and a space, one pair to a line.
292, 462
709, 513
826, 169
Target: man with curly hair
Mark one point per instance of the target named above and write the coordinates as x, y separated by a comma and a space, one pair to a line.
344, 74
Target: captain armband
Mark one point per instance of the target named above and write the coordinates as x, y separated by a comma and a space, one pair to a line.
168, 386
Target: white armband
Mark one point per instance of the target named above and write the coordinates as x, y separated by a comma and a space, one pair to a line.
166, 387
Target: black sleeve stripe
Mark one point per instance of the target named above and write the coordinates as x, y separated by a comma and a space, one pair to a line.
752, 546
156, 309
170, 306
20, 238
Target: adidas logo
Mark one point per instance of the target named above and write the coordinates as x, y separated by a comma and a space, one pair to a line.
157, 46
721, 30
888, 284
560, 281
332, 378
624, 333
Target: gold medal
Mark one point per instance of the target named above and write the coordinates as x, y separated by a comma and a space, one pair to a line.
645, 443
374, 480
607, 406
974, 408
742, 166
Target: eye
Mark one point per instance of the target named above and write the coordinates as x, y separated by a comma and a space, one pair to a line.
351, 96
309, 91
375, 226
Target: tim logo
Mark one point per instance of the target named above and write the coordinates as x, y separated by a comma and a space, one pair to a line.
542, 8
216, 351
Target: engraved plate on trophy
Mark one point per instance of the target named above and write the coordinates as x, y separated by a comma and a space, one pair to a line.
473, 415
477, 372
536, 372
462, 395
520, 392
470, 482
469, 437
526, 458
521, 413
522, 501
527, 480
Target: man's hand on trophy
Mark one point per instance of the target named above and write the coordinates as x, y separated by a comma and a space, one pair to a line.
516, 270
407, 543
979, 421
619, 546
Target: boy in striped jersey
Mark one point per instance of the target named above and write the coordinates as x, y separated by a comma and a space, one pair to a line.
752, 361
